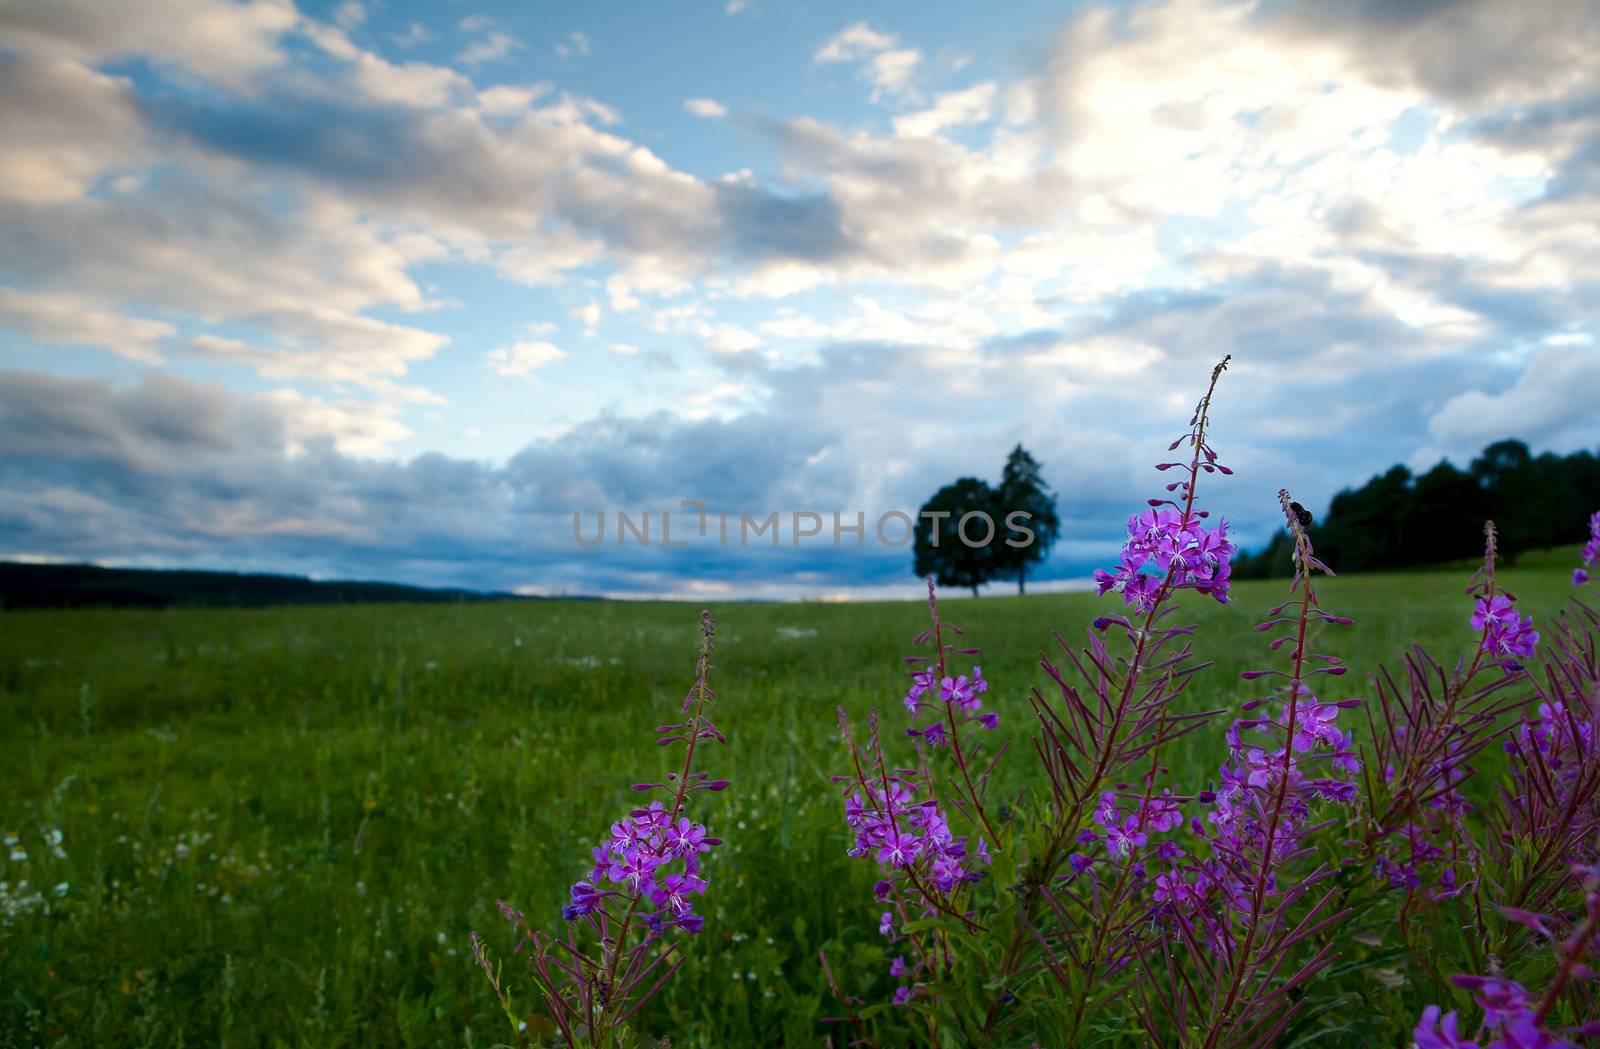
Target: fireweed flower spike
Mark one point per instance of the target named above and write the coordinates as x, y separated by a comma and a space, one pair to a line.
1101, 734
1249, 896
635, 900
1425, 732
899, 822
923, 866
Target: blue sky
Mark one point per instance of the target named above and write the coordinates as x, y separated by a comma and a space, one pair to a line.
390, 290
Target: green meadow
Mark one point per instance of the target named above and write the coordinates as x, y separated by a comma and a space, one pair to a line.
278, 827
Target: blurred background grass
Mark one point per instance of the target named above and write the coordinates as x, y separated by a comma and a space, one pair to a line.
279, 826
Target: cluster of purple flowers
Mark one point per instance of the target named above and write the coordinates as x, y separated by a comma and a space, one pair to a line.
1510, 1020
1507, 636
1591, 552
1125, 831
653, 856
1185, 553
925, 860
1311, 763
960, 693
911, 838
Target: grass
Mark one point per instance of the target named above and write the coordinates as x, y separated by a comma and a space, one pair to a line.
279, 826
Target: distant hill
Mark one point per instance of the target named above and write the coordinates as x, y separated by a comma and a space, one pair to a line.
78, 586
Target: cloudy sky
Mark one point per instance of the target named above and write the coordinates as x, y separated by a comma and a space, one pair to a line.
389, 289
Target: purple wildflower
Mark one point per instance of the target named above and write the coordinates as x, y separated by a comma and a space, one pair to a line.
1244, 882
686, 838
1505, 633
585, 898
955, 690
672, 894
1500, 999
1121, 839
921, 682
1435, 1033
898, 850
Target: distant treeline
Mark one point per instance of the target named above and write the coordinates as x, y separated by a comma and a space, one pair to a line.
1399, 519
78, 586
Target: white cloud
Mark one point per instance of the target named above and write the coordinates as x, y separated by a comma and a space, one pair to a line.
416, 33
589, 314
951, 109
888, 67
706, 108
1552, 402
547, 258
63, 127
78, 321
575, 45
359, 428
325, 345
522, 359
505, 100
420, 84
227, 42
729, 338
852, 42
494, 46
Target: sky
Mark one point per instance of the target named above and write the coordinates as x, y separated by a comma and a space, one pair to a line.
388, 290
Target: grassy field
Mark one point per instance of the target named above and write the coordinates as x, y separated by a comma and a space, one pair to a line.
278, 827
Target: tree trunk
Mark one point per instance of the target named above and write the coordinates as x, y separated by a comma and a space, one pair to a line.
1022, 575
974, 589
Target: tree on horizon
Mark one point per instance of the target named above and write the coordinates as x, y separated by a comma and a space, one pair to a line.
937, 547
940, 551
1023, 488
